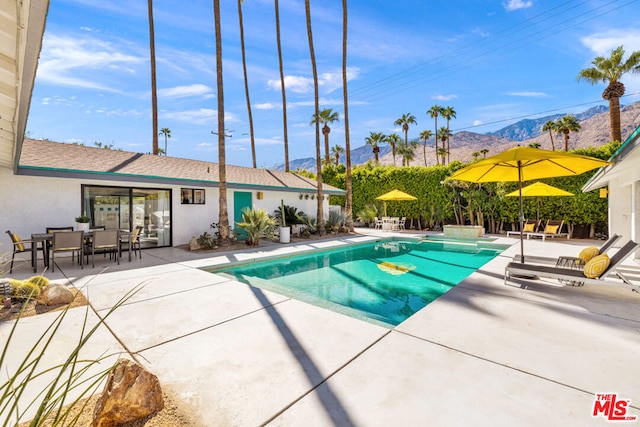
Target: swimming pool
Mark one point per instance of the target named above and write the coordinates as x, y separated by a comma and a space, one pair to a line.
384, 282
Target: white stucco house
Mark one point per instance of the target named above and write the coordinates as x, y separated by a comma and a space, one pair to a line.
48, 184
173, 199
620, 182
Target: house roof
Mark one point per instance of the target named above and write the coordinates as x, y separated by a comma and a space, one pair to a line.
22, 24
48, 158
625, 165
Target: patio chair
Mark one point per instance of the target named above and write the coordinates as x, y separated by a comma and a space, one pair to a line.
19, 246
105, 241
530, 226
553, 228
47, 245
401, 223
575, 276
564, 261
378, 223
67, 241
134, 237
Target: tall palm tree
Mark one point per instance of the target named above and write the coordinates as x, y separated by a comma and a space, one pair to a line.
407, 151
393, 140
484, 152
568, 124
347, 143
443, 134
223, 220
424, 136
442, 152
550, 127
284, 94
326, 116
336, 151
374, 140
434, 112
167, 134
404, 122
320, 213
246, 85
154, 94
611, 70
448, 113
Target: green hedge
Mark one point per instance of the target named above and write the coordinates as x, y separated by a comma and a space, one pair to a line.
439, 202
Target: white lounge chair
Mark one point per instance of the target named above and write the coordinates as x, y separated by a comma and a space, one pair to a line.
575, 276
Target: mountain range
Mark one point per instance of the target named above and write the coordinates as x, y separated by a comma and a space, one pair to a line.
594, 132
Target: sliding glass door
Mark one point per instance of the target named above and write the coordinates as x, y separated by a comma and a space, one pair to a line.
127, 208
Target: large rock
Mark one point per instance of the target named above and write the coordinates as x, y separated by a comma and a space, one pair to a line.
193, 244
55, 293
131, 393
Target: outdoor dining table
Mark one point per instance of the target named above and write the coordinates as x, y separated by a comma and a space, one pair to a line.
390, 223
48, 237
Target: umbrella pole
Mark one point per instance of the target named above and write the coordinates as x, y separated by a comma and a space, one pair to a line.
521, 212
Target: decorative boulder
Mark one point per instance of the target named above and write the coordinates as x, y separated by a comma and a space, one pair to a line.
131, 393
193, 244
56, 293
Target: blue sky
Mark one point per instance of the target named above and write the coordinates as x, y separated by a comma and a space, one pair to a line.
494, 62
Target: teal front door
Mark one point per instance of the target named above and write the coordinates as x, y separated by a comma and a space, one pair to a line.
241, 200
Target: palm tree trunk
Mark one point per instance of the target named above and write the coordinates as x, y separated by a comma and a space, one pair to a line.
435, 142
448, 146
223, 221
325, 131
246, 85
154, 95
348, 207
553, 145
424, 151
320, 214
566, 141
614, 119
284, 95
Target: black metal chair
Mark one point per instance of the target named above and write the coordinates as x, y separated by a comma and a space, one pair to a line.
67, 241
105, 241
19, 246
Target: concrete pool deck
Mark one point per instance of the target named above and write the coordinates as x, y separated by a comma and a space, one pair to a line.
529, 353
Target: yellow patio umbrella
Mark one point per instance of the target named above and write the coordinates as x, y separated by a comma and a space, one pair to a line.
525, 164
394, 195
537, 190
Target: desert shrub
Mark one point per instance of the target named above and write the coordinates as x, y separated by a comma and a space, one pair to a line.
257, 224
26, 290
206, 241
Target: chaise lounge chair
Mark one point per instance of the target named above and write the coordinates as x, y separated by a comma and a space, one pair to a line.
575, 276
553, 228
530, 226
562, 260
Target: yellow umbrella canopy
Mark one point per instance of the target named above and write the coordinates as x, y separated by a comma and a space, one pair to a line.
526, 164
395, 195
537, 190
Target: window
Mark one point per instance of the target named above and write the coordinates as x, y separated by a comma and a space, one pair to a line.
192, 196
127, 207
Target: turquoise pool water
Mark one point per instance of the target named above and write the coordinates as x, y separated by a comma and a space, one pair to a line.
383, 282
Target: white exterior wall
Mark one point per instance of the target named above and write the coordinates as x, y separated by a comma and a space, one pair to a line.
620, 210
30, 204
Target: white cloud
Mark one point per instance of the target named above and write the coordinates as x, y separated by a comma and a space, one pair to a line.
201, 116
326, 81
187, 91
477, 122
72, 62
265, 106
528, 94
603, 43
444, 97
517, 4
